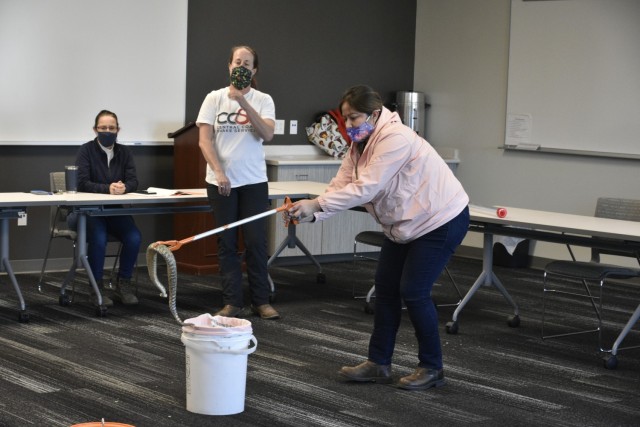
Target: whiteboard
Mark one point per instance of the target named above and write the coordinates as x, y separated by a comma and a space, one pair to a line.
574, 76
63, 61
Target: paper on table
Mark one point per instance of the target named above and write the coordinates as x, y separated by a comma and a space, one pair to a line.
163, 191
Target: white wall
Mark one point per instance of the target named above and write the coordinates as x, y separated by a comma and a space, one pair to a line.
63, 61
462, 49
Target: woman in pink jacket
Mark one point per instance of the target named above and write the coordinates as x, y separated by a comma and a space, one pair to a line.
410, 190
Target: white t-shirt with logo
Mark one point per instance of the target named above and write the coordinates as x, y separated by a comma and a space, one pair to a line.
236, 142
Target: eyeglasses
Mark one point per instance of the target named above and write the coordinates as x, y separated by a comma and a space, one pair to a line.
107, 128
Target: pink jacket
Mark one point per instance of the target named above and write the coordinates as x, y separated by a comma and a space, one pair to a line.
400, 180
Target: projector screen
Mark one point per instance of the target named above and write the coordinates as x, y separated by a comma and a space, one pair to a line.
574, 77
63, 61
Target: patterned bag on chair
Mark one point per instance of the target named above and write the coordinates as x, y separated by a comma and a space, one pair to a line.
330, 134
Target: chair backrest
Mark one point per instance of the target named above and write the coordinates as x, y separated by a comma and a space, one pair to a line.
58, 215
57, 182
616, 208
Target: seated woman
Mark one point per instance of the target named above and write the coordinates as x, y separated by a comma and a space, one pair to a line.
104, 166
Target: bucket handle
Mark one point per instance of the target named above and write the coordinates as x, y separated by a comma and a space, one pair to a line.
241, 351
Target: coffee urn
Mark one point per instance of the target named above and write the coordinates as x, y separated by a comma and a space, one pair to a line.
411, 107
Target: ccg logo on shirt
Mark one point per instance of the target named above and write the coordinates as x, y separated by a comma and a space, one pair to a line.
237, 118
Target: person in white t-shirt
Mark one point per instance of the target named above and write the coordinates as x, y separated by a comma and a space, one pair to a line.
233, 123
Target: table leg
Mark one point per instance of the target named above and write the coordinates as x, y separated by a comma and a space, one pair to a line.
291, 242
82, 261
5, 265
486, 278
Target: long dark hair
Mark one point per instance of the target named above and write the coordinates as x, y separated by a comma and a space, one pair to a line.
254, 82
362, 98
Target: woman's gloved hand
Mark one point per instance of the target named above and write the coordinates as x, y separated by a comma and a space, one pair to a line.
303, 210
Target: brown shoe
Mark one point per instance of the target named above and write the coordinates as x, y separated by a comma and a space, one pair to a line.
229, 311
367, 372
422, 378
265, 311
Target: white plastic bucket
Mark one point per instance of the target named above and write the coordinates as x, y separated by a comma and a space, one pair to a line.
216, 363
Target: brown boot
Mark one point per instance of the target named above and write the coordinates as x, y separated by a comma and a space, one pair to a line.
265, 311
422, 378
229, 311
125, 292
367, 372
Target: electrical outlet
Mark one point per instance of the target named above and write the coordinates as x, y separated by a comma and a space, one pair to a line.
293, 127
22, 218
279, 130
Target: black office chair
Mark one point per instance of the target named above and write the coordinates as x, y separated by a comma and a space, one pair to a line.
59, 228
594, 272
375, 238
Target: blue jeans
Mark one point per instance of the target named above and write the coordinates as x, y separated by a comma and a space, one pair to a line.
122, 228
406, 272
243, 202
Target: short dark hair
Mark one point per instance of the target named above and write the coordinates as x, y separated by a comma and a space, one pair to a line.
362, 98
106, 113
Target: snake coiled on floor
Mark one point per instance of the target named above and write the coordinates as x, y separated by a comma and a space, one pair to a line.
153, 250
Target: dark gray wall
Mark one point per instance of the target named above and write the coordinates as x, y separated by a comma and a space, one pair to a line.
310, 52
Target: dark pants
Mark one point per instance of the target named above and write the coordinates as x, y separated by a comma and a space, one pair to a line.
243, 202
122, 228
406, 272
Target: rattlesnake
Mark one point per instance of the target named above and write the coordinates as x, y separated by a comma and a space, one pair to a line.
153, 250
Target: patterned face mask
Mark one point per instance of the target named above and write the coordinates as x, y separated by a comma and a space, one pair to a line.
241, 77
362, 132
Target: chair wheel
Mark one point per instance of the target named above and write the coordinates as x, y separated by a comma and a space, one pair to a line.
611, 362
101, 311
452, 328
368, 308
321, 278
513, 321
64, 300
23, 316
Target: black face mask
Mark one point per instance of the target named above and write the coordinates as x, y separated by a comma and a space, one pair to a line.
107, 139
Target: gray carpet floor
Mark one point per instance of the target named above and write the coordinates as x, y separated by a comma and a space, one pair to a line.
67, 366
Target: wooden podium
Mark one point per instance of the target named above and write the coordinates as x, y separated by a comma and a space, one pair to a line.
189, 169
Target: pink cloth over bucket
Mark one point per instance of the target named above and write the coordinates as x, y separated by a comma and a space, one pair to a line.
206, 324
